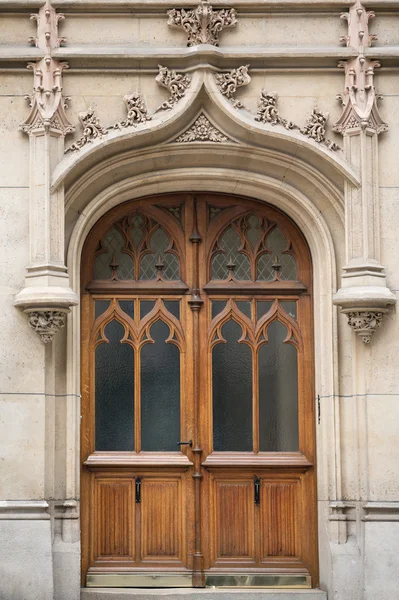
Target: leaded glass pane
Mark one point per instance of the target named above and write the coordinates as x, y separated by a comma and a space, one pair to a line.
278, 392
230, 242
253, 232
137, 229
288, 270
276, 242
264, 268
159, 243
113, 244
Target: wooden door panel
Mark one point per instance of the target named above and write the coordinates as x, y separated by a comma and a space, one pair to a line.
279, 514
163, 526
234, 524
114, 523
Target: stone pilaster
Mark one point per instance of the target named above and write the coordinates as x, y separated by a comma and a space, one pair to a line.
363, 296
47, 284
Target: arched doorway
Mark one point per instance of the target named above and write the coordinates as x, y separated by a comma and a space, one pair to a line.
197, 328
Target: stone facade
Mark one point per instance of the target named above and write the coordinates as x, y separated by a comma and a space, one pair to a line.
127, 99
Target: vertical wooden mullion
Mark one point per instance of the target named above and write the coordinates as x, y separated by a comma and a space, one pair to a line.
137, 385
255, 398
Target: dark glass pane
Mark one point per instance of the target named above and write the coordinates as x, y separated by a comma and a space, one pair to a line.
173, 306
278, 393
113, 243
159, 243
245, 308
146, 306
232, 392
217, 307
100, 306
160, 392
289, 307
114, 388
262, 307
128, 307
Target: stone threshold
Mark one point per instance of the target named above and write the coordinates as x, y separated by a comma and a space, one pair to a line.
203, 594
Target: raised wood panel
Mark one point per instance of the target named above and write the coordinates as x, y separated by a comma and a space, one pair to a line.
234, 520
162, 523
279, 518
114, 519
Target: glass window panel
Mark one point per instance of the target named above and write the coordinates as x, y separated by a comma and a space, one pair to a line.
276, 243
159, 243
253, 232
262, 307
136, 230
230, 242
128, 307
100, 306
114, 390
113, 243
288, 270
232, 392
289, 307
245, 308
278, 393
264, 268
217, 307
173, 306
160, 392
146, 306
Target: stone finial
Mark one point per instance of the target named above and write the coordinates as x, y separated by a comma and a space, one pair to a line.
202, 131
92, 130
46, 103
229, 82
136, 112
46, 323
202, 24
268, 111
359, 99
176, 83
364, 323
315, 129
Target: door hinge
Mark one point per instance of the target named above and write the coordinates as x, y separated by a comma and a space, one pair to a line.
318, 410
257, 490
138, 490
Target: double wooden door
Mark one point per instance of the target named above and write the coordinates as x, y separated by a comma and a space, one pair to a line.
197, 438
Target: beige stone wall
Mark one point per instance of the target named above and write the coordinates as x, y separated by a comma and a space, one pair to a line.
113, 49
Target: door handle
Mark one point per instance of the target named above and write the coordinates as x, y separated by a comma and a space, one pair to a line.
256, 490
189, 443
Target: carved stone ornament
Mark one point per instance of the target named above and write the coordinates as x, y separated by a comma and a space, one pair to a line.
136, 112
315, 129
202, 131
46, 103
92, 130
46, 323
176, 83
268, 111
359, 100
202, 24
229, 82
364, 323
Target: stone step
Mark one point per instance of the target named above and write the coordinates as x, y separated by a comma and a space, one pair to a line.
195, 594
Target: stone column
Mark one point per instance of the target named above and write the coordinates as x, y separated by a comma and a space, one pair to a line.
46, 297
364, 296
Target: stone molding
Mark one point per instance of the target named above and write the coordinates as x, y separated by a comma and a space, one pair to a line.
11, 510
47, 103
176, 83
229, 82
46, 323
202, 130
381, 511
203, 23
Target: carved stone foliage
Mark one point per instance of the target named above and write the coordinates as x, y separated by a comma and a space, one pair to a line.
268, 111
46, 323
202, 131
315, 129
359, 99
202, 24
176, 83
364, 323
136, 112
229, 82
92, 130
46, 103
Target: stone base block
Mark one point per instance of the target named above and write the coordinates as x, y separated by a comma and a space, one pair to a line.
196, 594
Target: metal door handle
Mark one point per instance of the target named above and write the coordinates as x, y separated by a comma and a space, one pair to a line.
189, 443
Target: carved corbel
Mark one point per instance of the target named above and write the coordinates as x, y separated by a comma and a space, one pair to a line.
364, 295
228, 83
202, 24
176, 83
46, 323
47, 103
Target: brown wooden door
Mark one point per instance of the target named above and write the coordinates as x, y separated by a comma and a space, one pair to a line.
197, 328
